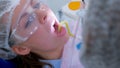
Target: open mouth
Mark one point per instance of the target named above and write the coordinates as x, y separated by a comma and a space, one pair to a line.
56, 25
60, 32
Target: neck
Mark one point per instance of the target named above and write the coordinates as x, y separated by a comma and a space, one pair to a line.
51, 55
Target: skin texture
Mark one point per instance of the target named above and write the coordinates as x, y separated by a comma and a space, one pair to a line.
45, 42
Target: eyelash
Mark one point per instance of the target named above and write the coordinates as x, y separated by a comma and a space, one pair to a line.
29, 21
31, 18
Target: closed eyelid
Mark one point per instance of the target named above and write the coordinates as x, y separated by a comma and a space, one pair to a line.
28, 13
28, 23
25, 14
30, 19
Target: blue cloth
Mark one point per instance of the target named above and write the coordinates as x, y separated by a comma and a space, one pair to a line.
10, 64
6, 64
54, 63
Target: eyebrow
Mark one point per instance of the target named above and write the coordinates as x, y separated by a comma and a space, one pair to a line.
24, 14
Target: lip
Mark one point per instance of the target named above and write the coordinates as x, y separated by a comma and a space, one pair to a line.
60, 33
54, 28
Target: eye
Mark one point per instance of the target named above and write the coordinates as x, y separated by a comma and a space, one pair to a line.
31, 18
29, 21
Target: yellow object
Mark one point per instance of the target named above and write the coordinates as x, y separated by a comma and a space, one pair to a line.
68, 29
74, 5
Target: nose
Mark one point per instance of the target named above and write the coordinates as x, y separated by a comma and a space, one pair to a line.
42, 13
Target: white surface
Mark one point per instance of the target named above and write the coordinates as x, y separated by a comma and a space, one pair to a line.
56, 5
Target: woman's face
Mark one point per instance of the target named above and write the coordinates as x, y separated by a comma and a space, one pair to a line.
46, 37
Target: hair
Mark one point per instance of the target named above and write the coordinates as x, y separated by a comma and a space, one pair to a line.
6, 11
23, 61
11, 42
29, 61
5, 50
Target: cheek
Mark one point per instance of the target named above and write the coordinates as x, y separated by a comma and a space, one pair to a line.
42, 40
42, 44
39, 42
39, 37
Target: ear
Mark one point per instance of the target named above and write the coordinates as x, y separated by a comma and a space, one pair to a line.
21, 50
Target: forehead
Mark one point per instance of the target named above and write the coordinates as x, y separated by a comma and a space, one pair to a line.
21, 8
17, 11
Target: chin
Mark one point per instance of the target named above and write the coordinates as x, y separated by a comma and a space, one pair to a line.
65, 40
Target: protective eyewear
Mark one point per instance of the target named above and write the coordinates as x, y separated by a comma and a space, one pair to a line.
27, 23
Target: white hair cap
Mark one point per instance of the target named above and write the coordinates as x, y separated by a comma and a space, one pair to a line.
6, 6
